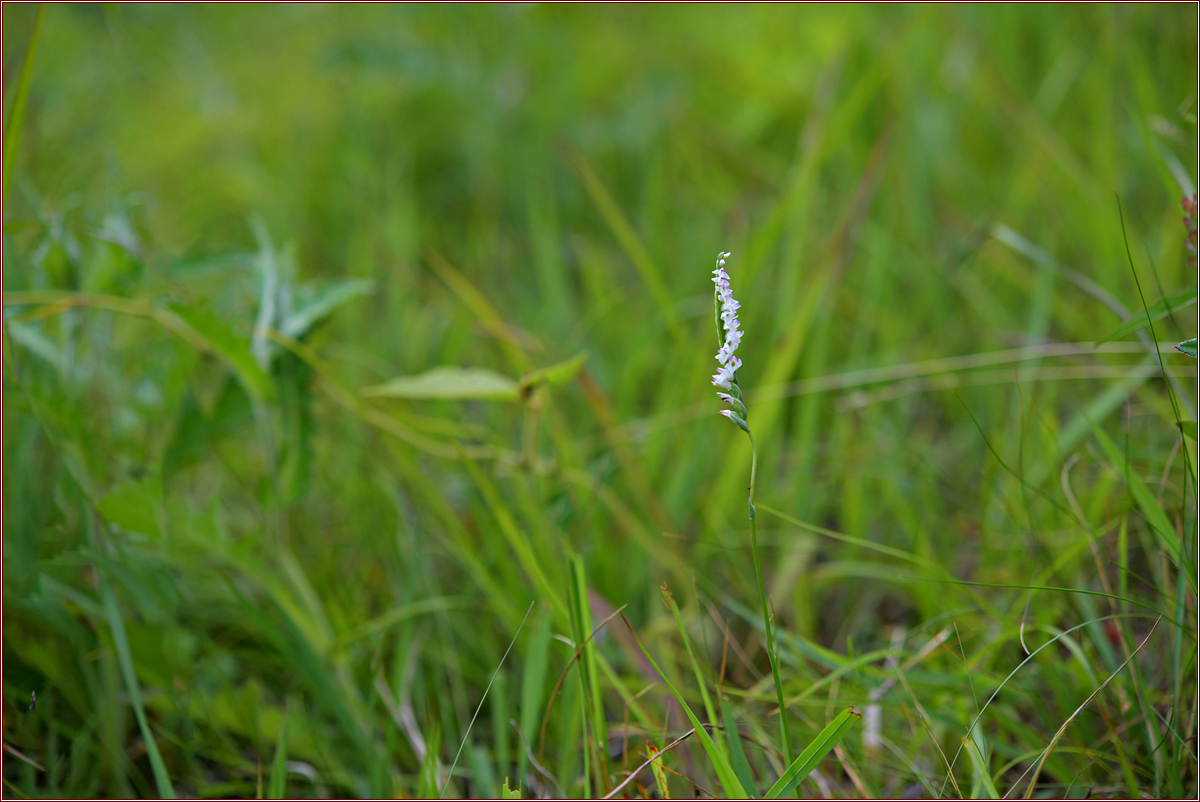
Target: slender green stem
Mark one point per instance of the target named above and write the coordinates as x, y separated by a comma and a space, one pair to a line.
772, 654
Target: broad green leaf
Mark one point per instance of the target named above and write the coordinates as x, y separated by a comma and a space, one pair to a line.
30, 336
822, 745
509, 793
1176, 300
1141, 494
449, 382
1188, 347
315, 303
216, 336
1188, 427
557, 374
134, 506
216, 408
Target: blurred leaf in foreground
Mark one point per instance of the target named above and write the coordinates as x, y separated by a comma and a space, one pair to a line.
449, 382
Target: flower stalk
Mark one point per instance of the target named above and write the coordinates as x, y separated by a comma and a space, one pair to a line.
729, 334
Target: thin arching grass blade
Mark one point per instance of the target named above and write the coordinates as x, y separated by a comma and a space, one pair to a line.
725, 772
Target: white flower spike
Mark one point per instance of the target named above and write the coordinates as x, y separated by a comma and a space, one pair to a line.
728, 323
729, 334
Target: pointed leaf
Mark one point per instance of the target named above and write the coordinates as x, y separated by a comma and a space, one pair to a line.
451, 382
1188, 427
1188, 347
982, 786
133, 506
557, 374
822, 745
203, 328
317, 303
1176, 300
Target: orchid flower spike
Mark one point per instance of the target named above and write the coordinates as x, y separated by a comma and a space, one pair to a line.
728, 327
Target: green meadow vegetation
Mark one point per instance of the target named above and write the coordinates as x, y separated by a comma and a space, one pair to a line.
359, 438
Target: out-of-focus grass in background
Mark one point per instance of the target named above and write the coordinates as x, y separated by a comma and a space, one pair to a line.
225, 222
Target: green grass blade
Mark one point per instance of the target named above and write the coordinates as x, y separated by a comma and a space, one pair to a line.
982, 786
687, 644
427, 776
581, 617
394, 616
518, 539
820, 746
1145, 500
277, 787
649, 271
725, 772
737, 755
482, 699
533, 681
1058, 735
292, 645
16, 117
125, 658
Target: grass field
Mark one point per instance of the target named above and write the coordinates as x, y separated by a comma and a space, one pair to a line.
357, 368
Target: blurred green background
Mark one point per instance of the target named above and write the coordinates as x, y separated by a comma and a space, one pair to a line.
229, 571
